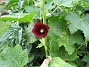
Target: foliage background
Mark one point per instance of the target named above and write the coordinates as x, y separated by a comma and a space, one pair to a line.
66, 42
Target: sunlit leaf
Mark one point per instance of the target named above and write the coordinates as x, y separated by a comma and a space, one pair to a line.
13, 57
58, 62
19, 17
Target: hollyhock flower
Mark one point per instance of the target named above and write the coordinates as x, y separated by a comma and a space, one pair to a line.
40, 30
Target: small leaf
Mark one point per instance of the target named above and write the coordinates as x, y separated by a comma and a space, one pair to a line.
13, 57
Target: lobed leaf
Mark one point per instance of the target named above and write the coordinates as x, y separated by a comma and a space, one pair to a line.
77, 23
75, 20
13, 57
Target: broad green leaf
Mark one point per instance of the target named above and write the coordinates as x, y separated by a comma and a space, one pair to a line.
58, 62
68, 3
65, 56
3, 28
54, 32
77, 23
62, 53
75, 20
57, 1
84, 26
49, 5
30, 9
65, 41
19, 17
68, 40
55, 28
77, 38
85, 58
53, 45
13, 57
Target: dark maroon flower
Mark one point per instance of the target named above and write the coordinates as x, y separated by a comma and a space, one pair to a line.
40, 30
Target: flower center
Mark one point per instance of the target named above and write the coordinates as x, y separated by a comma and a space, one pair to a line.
41, 30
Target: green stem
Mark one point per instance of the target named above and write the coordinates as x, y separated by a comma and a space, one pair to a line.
54, 10
44, 21
43, 11
45, 46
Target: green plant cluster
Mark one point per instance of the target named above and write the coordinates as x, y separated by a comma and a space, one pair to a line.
67, 41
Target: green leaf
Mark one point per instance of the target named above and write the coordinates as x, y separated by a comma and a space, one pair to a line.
68, 3
80, 63
77, 23
65, 56
55, 28
13, 57
3, 28
12, 3
85, 58
84, 26
77, 38
62, 53
30, 9
58, 62
49, 5
68, 40
29, 35
53, 44
73, 64
65, 41
19, 17
5, 36
75, 20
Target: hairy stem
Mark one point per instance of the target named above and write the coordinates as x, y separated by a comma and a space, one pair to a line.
44, 21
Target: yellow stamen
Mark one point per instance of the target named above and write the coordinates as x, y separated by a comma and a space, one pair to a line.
41, 30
